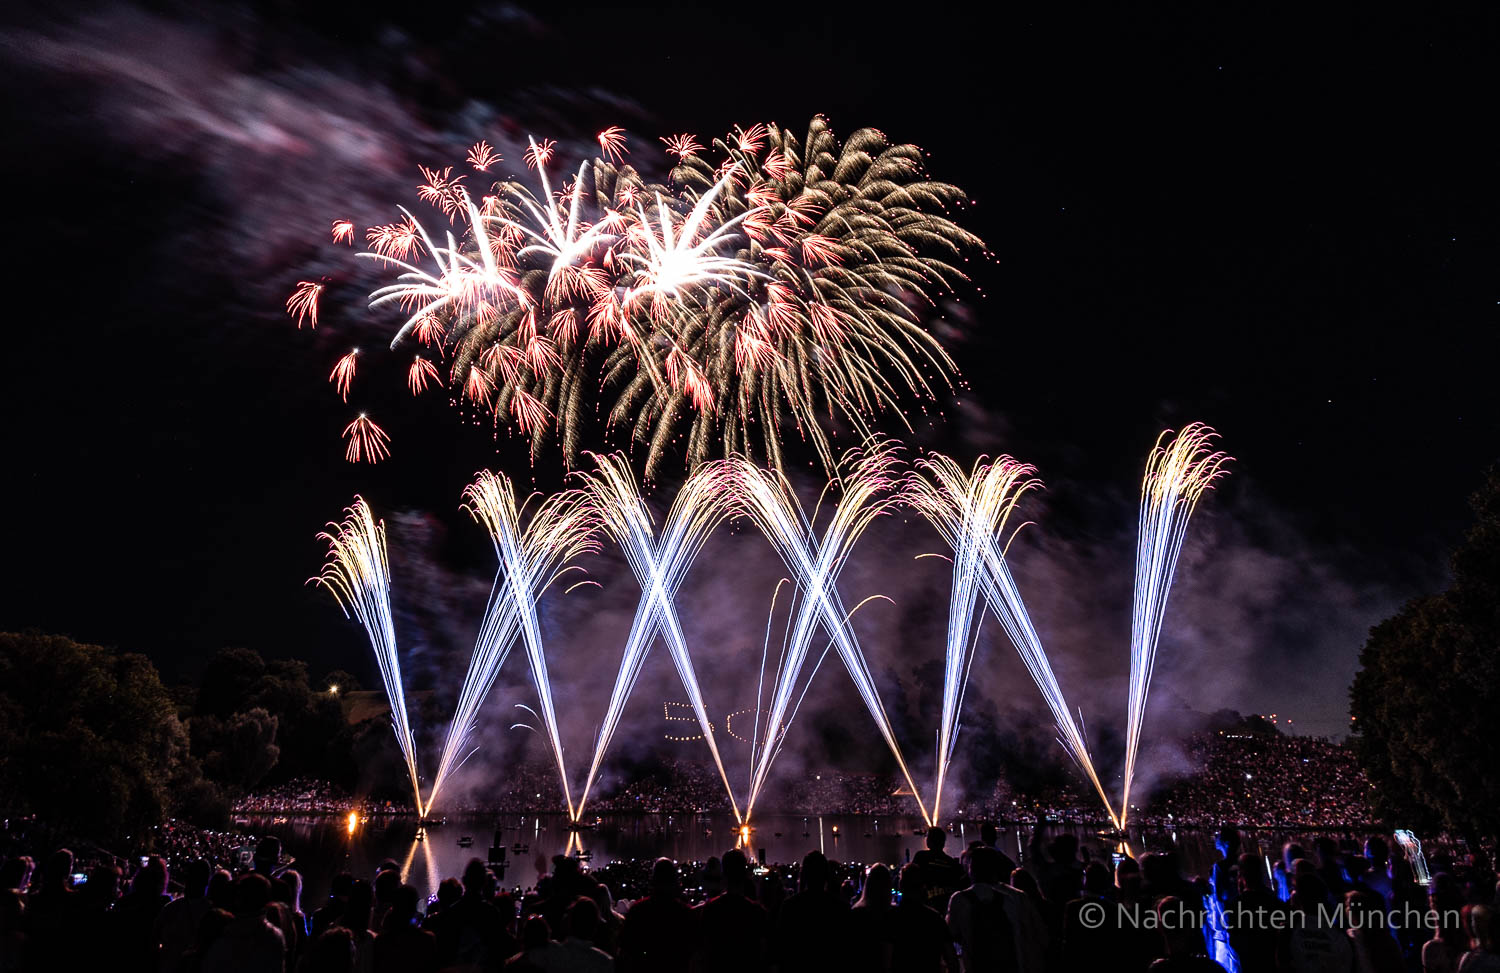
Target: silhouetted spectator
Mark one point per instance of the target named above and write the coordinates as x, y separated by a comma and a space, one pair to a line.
995, 925
941, 872
734, 928
177, 923
1182, 939
810, 933
248, 943
402, 946
659, 931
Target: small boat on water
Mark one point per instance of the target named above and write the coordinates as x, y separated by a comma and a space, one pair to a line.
467, 841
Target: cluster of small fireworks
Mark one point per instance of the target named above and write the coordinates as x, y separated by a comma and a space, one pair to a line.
1177, 473
785, 283
358, 574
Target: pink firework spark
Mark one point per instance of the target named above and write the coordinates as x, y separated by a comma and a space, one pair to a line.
819, 249
776, 165
442, 189
528, 411
343, 232
342, 375
612, 141
478, 386
304, 302
396, 240
366, 441
419, 374
682, 146
539, 154
750, 141
481, 156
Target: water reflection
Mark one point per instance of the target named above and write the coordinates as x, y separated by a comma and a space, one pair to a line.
324, 846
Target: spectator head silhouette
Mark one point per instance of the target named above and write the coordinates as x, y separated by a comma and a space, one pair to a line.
16, 872
195, 876
736, 872
877, 890
268, 854
936, 838
332, 952
913, 888
1096, 879
583, 918
449, 891
713, 877
152, 878
58, 872
251, 894
988, 834
1064, 848
814, 875
1378, 852
984, 866
664, 877
477, 879
1250, 874
1479, 924
535, 933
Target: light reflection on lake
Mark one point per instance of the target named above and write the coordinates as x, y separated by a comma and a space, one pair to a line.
322, 846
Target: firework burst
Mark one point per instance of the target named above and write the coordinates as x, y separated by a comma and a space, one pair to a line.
367, 441
774, 284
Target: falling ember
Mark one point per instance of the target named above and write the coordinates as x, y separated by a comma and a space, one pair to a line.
366, 441
612, 143
304, 302
419, 374
343, 374
343, 232
481, 156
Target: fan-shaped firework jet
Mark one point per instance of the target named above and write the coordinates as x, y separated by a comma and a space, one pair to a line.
359, 576
786, 278
659, 564
1177, 473
530, 560
769, 500
971, 512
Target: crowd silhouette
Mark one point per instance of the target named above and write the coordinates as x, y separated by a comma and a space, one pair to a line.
1324, 905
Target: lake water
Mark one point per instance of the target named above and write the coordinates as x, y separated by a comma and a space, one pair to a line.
324, 846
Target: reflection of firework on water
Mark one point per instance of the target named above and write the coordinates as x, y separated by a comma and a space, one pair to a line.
531, 558
767, 498
971, 512
359, 576
784, 281
1177, 473
659, 563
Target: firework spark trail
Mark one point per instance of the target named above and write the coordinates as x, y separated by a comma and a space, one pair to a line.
971, 512
1176, 476
769, 500
530, 560
358, 574
659, 563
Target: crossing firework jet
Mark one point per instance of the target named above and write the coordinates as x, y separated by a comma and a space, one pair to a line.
868, 482
358, 574
971, 511
775, 283
531, 557
1178, 471
659, 562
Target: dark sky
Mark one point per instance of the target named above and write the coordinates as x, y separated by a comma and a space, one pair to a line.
1281, 224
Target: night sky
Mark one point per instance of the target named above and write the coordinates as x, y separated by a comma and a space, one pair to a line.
1282, 226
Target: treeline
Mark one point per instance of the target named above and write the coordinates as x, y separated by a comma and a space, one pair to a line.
95, 745
1427, 696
